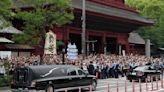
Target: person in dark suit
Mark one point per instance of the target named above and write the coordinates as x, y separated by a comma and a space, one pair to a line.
91, 68
116, 70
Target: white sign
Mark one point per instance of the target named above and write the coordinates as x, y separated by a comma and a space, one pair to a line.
72, 51
50, 43
123, 52
5, 54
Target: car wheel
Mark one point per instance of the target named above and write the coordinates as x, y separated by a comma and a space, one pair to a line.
149, 78
94, 85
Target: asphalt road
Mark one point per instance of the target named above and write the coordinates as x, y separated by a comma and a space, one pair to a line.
103, 86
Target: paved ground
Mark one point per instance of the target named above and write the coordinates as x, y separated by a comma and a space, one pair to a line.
103, 86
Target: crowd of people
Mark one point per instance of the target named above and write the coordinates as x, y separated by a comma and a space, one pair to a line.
101, 65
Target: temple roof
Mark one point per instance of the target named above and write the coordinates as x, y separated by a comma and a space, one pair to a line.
18, 46
111, 11
135, 38
5, 40
101, 9
10, 30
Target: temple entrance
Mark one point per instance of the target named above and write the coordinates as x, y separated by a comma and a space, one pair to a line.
76, 38
111, 45
121, 49
94, 44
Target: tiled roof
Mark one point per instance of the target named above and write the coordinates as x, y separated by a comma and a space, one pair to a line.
102, 9
10, 30
162, 49
5, 40
135, 38
19, 46
111, 11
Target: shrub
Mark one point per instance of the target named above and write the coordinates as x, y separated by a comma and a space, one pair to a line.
5, 80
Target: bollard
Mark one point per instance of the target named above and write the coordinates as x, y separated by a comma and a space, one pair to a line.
90, 89
79, 89
125, 86
147, 86
117, 86
133, 88
51, 89
152, 84
108, 87
140, 85
65, 90
97, 77
161, 82
157, 83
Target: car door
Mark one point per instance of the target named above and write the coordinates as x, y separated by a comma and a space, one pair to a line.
73, 77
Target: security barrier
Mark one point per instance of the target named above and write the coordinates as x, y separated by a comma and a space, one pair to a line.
150, 86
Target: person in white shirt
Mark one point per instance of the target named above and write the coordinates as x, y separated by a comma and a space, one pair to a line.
2, 70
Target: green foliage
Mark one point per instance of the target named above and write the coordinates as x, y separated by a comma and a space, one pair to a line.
5, 13
45, 15
5, 81
152, 9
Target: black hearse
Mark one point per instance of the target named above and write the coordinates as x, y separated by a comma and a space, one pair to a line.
59, 76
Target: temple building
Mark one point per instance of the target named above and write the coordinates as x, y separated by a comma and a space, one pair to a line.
136, 44
108, 24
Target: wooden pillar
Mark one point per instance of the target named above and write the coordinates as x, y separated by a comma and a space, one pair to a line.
127, 45
65, 35
87, 44
120, 49
104, 43
147, 48
127, 48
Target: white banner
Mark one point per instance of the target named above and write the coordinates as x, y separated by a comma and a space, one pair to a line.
50, 43
5, 54
72, 51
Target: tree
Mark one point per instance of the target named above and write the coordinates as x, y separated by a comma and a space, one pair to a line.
41, 17
5, 13
152, 9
